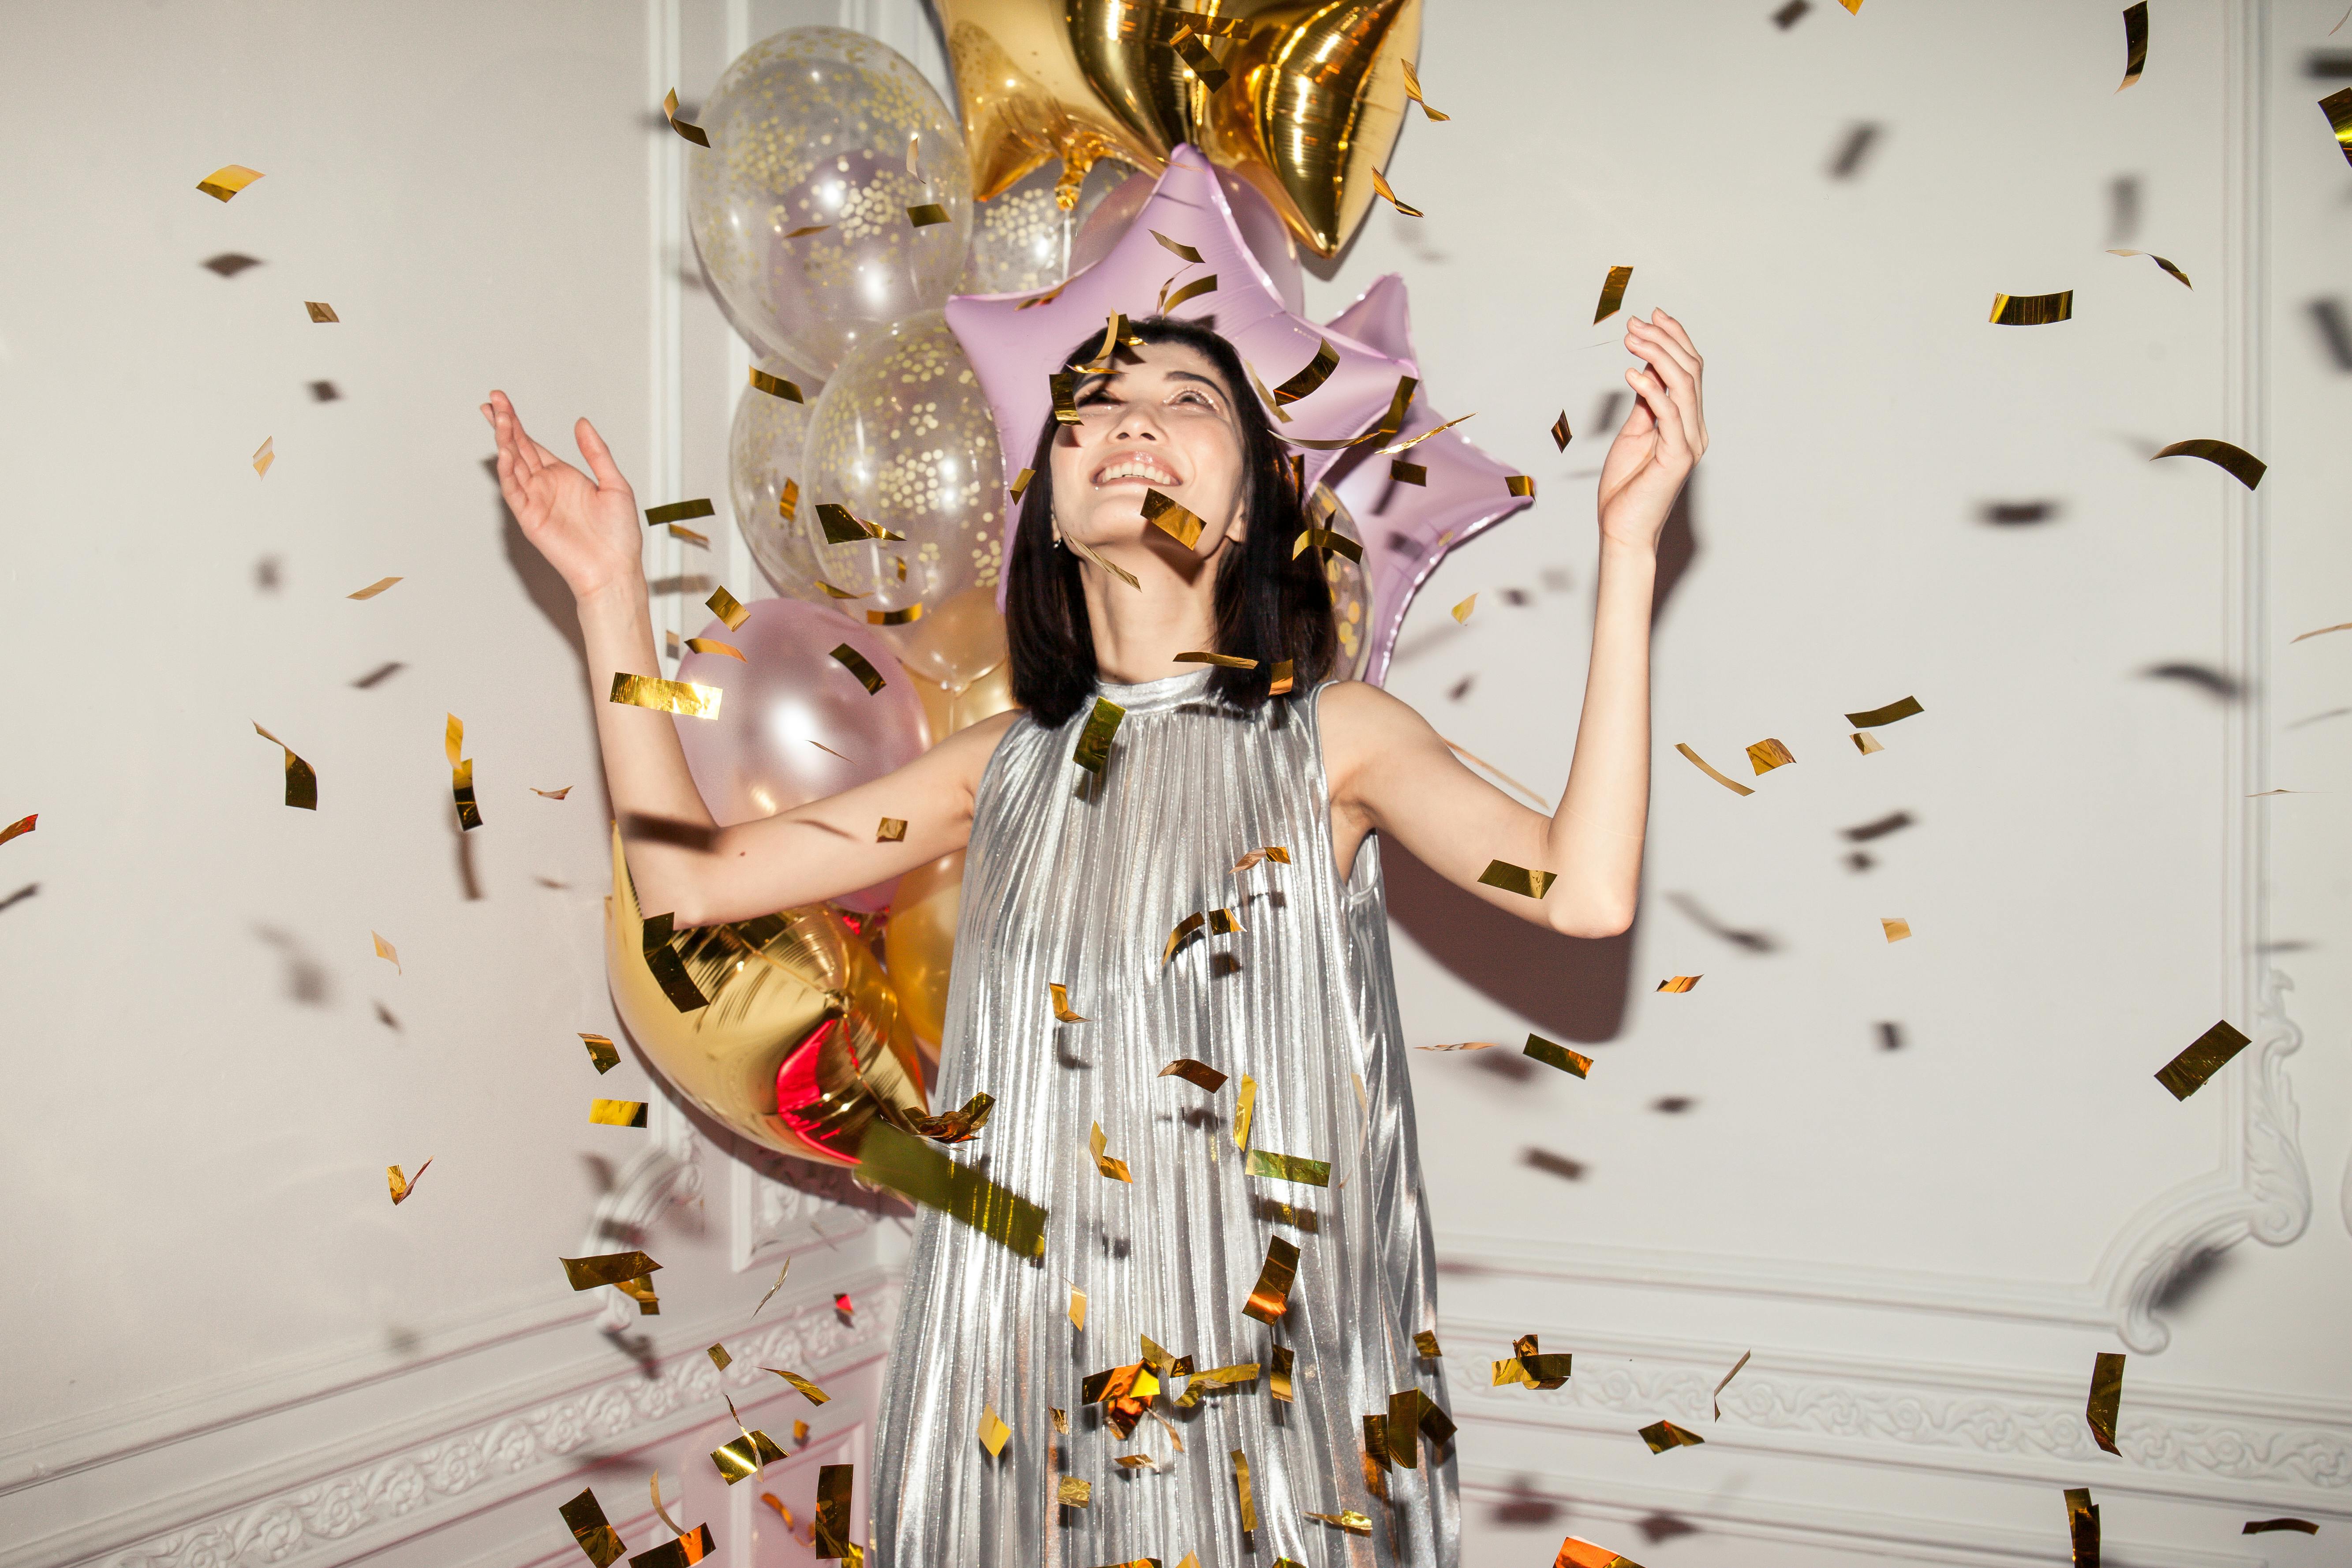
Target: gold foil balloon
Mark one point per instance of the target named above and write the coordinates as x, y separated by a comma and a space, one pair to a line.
956, 643
918, 945
904, 438
1024, 239
948, 712
803, 1043
1311, 101
763, 454
802, 206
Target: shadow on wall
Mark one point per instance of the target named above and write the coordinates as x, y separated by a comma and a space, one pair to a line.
1568, 987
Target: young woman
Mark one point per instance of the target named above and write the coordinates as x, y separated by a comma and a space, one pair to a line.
1078, 877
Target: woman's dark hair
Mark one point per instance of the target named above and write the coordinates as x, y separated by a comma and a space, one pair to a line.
1270, 605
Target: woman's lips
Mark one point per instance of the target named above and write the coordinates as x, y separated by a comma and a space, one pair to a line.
1155, 473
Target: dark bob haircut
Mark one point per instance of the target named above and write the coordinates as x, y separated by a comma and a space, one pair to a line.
1270, 605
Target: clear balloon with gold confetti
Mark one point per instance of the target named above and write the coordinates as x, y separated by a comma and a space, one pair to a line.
1024, 240
763, 465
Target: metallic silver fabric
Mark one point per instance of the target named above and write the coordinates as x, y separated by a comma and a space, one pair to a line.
1079, 880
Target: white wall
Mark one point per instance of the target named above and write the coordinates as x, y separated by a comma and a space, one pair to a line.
226, 1348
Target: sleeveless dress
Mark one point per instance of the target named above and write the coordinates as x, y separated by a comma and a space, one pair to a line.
1079, 879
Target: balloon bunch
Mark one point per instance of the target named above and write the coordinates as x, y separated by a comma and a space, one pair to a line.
904, 333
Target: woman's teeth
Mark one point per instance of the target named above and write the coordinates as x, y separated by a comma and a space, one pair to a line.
1132, 469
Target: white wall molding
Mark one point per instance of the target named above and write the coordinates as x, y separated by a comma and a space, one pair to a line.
346, 1503
1883, 1538
2231, 1449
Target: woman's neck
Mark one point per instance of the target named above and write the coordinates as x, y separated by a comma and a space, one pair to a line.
1139, 632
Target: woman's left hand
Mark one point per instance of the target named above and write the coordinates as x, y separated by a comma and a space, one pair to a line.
1661, 438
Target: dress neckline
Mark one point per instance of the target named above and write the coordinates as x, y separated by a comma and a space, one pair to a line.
1157, 696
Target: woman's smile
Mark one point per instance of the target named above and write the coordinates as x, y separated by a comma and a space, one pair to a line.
1134, 466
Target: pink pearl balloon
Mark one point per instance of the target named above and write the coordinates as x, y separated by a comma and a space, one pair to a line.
1268, 237
788, 699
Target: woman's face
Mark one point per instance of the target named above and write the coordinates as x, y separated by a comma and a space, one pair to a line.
1162, 421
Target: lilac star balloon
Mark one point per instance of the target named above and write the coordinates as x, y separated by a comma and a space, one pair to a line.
1407, 528
1016, 341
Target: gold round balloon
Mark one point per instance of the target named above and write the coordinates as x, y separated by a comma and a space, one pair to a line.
802, 1042
918, 945
1304, 99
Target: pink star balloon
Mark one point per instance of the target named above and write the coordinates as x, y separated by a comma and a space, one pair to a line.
1407, 528
1016, 341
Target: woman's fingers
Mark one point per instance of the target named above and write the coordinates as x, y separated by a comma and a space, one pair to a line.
1640, 418
1652, 344
599, 456
1679, 334
1673, 438
1683, 370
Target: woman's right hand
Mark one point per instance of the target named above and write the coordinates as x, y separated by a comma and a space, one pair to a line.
586, 528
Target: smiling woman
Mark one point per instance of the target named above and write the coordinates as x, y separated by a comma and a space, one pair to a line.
1166, 418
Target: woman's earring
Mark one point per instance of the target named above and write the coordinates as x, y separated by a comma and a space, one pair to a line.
1057, 536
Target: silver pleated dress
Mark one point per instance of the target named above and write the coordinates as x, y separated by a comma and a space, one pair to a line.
1080, 880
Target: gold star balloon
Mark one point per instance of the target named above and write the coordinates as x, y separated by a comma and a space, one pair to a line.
1302, 100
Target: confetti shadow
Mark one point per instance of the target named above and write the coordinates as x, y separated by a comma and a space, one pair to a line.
1524, 1506
2213, 683
307, 980
28, 890
2335, 336
1567, 986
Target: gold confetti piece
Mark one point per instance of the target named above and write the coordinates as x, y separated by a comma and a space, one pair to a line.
1193, 291
2342, 626
383, 949
958, 1126
1172, 519
1085, 552
1093, 740
1511, 1370
719, 1357
1387, 192
1349, 1520
584, 1517
2107, 1399
992, 1431
1768, 755
1242, 1484
224, 182
891, 830
1560, 434
1278, 1381
1273, 852
265, 455
850, 659
2032, 309
1464, 1046
1246, 1104
712, 644
1412, 90
601, 1053
1520, 485
1283, 680
1576, 1064
689, 1549
2159, 260
914, 1171
1896, 930
1216, 1377
1222, 661
1185, 928
1406, 473
680, 531
2134, 42
1376, 1455
320, 311
1078, 1312
1075, 1493
1679, 982
834, 1484
907, 616
776, 385
1727, 1382
403, 1185
1573, 1552
1875, 717
2264, 1526
773, 1501
1612, 293
1136, 1462
1326, 539
606, 1269
1020, 484
1403, 1427
1199, 60
1061, 1419
1425, 1342
729, 611
2206, 1055
1866, 745
2082, 1526
641, 1291
677, 511
1062, 1011
834, 593
25, 824
788, 501
302, 781
1288, 1168
1064, 385
927, 214
1461, 611
2336, 106
1733, 785
691, 132
1114, 1169
1270, 1298
618, 1112
680, 696
1518, 879
373, 589
806, 1389
2236, 461
1406, 446
1662, 1435
1198, 1073
461, 789
1311, 375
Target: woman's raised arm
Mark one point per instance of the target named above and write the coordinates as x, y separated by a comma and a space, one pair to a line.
682, 862
1393, 773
